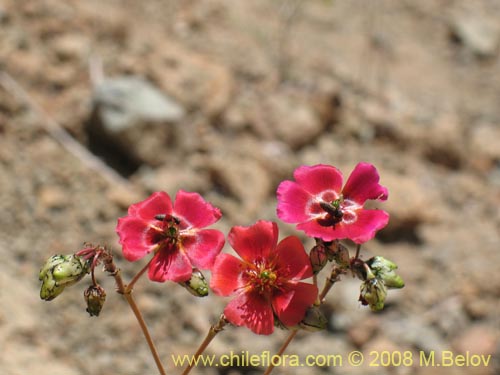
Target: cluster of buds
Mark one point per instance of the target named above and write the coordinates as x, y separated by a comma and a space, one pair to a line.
331, 251
378, 275
59, 272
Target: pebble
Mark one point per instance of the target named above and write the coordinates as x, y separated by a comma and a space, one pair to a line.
477, 339
127, 101
479, 36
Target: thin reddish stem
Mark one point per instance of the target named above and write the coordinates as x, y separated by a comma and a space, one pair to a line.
111, 268
289, 339
214, 330
130, 285
145, 331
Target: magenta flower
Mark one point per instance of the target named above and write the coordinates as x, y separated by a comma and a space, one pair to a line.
323, 209
173, 234
266, 279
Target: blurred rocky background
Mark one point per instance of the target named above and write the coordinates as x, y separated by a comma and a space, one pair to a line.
103, 102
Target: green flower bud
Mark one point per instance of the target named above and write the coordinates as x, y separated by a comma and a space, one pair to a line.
59, 272
95, 296
373, 293
314, 320
196, 285
318, 258
383, 269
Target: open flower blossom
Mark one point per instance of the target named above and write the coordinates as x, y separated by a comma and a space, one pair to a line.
266, 280
173, 233
323, 209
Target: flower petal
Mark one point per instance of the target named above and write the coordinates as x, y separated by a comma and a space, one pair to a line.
194, 210
157, 203
170, 265
252, 311
292, 202
312, 229
291, 306
366, 226
226, 275
292, 260
318, 178
203, 246
254, 242
363, 185
133, 237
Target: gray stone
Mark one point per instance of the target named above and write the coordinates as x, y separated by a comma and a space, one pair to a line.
476, 34
125, 101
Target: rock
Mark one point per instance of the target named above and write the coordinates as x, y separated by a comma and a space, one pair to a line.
484, 141
52, 197
449, 315
126, 101
173, 178
131, 118
476, 34
364, 330
293, 120
70, 46
414, 331
477, 339
243, 179
195, 80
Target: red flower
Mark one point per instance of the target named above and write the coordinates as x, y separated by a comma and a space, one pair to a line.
173, 234
266, 279
322, 209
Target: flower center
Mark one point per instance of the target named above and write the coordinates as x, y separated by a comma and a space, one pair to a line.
334, 213
167, 232
338, 210
262, 277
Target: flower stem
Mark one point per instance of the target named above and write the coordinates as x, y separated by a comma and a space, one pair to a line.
111, 268
315, 282
282, 349
330, 280
214, 330
130, 285
145, 331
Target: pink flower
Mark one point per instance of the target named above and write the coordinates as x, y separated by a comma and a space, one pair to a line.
323, 209
266, 279
173, 234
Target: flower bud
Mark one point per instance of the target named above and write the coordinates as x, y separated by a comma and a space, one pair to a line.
341, 256
383, 269
314, 320
373, 293
196, 285
318, 258
95, 296
59, 272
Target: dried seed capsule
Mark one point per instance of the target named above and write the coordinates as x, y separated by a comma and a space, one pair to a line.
95, 296
314, 320
373, 293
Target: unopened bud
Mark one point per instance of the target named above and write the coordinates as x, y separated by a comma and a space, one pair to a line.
59, 272
318, 258
341, 256
314, 320
196, 285
373, 293
384, 270
95, 296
